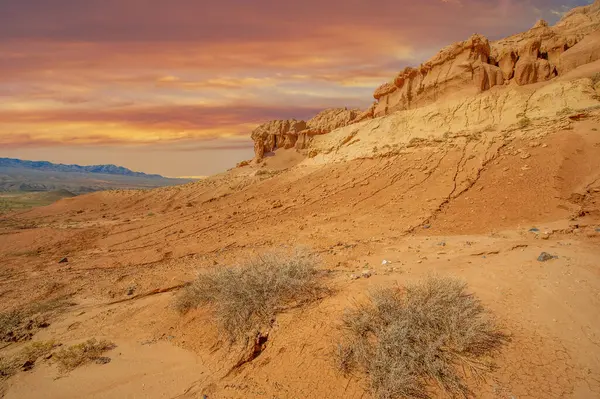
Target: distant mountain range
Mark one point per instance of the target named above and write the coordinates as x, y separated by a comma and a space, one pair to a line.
35, 176
59, 167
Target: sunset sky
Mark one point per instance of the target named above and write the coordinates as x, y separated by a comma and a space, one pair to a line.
175, 87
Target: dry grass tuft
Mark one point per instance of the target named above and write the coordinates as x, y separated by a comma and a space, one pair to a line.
77, 355
406, 340
24, 359
246, 298
21, 324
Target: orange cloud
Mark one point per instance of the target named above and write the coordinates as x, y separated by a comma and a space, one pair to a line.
136, 124
152, 71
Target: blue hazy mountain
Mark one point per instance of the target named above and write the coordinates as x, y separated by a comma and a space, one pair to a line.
21, 175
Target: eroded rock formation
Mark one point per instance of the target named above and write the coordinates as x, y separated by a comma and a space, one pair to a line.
451, 70
298, 134
462, 69
276, 134
477, 65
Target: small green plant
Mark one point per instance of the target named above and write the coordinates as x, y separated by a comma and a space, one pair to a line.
77, 355
406, 339
246, 298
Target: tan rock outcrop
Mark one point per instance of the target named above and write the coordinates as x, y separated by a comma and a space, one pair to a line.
368, 114
544, 42
584, 52
530, 68
461, 70
459, 66
330, 119
489, 114
276, 134
325, 122
507, 64
487, 76
476, 65
298, 134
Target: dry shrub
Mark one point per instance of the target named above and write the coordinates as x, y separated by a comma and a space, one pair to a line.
246, 298
524, 122
21, 324
406, 340
24, 359
77, 355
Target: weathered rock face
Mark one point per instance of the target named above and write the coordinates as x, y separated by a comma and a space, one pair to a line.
529, 71
460, 70
368, 114
298, 134
477, 65
462, 116
276, 134
584, 52
530, 67
455, 67
331, 119
534, 56
507, 64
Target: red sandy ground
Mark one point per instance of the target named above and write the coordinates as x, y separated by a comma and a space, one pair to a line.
479, 202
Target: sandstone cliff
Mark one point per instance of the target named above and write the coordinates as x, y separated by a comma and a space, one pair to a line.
461, 66
476, 65
531, 111
298, 134
462, 70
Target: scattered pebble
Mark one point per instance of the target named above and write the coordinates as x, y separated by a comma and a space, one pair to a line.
545, 256
385, 262
366, 273
63, 260
103, 360
28, 365
534, 230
